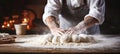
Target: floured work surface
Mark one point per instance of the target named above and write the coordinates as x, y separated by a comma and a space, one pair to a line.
35, 43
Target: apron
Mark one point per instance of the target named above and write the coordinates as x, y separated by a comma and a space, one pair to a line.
71, 16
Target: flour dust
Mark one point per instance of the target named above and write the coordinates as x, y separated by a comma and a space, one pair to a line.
102, 42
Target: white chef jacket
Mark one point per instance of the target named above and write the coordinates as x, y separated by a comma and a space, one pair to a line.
96, 9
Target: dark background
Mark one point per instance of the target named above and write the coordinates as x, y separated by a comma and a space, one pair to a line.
110, 26
112, 18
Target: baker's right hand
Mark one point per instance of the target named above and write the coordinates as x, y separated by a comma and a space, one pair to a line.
57, 31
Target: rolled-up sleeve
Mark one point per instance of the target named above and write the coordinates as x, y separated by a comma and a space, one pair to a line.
97, 10
52, 8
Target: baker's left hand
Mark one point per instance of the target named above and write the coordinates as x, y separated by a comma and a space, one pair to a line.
79, 29
73, 30
70, 31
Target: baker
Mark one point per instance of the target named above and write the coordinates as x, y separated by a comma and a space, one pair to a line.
74, 16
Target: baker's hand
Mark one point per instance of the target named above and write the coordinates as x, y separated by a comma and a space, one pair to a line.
79, 29
73, 30
82, 26
57, 31
53, 25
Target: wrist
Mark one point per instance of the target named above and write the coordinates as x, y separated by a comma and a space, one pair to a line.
89, 20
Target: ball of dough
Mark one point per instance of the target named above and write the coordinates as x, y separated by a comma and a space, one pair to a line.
90, 39
43, 40
65, 39
75, 38
86, 38
83, 38
56, 39
49, 38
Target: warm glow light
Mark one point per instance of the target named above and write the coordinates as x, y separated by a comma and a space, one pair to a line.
25, 21
11, 21
5, 23
3, 26
28, 27
8, 25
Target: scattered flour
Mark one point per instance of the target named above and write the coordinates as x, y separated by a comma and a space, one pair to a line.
96, 41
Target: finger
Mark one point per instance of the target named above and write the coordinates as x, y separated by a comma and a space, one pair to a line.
68, 33
65, 31
61, 33
57, 34
60, 29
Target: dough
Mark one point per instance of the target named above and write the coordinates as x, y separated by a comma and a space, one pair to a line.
86, 38
90, 39
65, 39
76, 38
56, 39
48, 38
83, 39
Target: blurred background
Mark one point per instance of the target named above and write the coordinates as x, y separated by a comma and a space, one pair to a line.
31, 11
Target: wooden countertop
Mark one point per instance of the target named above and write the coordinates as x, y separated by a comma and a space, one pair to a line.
12, 48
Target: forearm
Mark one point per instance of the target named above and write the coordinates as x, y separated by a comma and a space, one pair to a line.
87, 23
51, 22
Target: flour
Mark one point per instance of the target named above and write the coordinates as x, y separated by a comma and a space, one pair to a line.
101, 42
